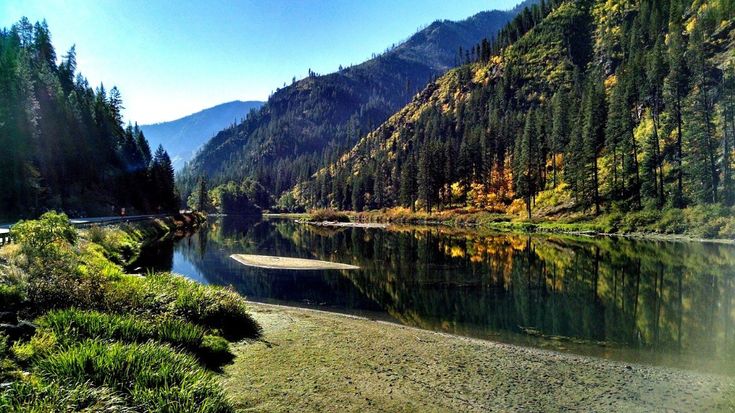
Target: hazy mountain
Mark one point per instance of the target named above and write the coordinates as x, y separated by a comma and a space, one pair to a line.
314, 120
182, 137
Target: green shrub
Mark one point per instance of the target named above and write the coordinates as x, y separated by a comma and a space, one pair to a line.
215, 351
672, 221
40, 238
210, 306
639, 221
151, 375
11, 296
328, 215
117, 245
40, 345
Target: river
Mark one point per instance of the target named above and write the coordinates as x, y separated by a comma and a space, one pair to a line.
651, 302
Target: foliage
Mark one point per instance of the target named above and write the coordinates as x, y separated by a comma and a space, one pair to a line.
117, 245
328, 215
313, 121
149, 374
626, 107
109, 341
63, 144
39, 238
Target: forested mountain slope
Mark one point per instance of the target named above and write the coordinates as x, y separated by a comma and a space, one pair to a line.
601, 104
63, 144
315, 120
182, 137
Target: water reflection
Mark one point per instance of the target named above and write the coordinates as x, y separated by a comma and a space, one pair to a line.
654, 302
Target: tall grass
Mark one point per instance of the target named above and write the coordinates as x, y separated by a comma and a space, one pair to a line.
151, 376
72, 325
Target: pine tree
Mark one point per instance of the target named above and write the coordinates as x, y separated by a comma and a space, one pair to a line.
656, 72
559, 137
676, 87
701, 165
593, 136
408, 187
202, 203
728, 136
525, 162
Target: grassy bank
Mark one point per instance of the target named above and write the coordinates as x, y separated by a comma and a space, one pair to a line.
712, 222
310, 361
78, 333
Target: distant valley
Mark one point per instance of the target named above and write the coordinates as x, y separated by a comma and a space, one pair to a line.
182, 137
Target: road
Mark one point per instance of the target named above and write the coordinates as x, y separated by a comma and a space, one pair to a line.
80, 222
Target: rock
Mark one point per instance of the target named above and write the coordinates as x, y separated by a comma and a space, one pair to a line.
22, 330
9, 317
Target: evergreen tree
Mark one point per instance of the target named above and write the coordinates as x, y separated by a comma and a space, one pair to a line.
701, 166
728, 136
676, 87
408, 188
559, 137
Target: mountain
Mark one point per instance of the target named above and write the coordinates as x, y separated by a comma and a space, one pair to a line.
591, 105
182, 137
314, 120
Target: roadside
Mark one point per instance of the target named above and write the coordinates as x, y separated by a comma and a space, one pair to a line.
310, 360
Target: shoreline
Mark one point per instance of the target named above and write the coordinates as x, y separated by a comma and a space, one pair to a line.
313, 360
372, 219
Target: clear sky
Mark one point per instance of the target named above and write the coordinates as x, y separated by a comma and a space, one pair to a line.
173, 58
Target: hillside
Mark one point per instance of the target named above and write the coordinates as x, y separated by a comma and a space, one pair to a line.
314, 120
600, 105
182, 137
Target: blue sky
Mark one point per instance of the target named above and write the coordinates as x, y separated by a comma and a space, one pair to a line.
173, 58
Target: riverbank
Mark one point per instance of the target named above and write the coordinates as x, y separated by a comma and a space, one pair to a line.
315, 361
79, 334
714, 223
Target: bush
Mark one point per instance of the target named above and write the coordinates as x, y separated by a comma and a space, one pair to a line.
117, 245
213, 307
215, 351
11, 297
41, 237
639, 221
328, 215
151, 375
40, 345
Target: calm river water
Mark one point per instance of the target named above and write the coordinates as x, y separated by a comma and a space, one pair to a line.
652, 302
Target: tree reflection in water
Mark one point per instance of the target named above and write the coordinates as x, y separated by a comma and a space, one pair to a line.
651, 301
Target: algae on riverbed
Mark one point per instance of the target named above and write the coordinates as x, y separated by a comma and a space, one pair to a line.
315, 361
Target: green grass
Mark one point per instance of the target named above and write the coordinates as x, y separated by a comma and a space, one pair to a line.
149, 375
72, 325
106, 340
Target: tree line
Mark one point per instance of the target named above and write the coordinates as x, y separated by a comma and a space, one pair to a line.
63, 144
626, 107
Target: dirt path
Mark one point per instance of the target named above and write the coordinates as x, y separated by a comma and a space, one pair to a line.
316, 361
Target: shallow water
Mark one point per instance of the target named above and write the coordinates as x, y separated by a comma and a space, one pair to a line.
652, 302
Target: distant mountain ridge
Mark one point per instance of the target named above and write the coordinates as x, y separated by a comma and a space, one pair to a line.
182, 137
313, 121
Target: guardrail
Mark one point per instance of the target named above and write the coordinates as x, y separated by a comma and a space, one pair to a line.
5, 237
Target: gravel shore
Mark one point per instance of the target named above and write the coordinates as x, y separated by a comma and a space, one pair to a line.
322, 362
